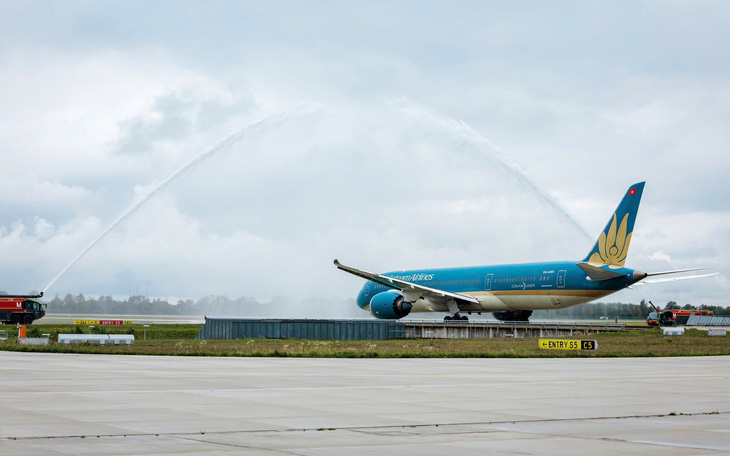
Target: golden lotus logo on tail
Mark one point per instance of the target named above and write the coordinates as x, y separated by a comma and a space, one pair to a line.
614, 246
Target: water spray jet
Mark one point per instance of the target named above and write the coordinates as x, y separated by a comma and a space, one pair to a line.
467, 133
465, 136
226, 143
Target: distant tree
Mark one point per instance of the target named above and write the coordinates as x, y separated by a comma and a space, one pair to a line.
717, 310
68, 303
644, 308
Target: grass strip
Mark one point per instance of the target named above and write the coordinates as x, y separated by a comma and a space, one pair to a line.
178, 340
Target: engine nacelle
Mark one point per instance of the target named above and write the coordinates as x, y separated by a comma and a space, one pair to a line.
389, 305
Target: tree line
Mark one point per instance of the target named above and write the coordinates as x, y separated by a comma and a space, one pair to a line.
141, 305
250, 307
621, 310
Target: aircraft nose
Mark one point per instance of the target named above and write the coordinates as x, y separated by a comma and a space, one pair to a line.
638, 275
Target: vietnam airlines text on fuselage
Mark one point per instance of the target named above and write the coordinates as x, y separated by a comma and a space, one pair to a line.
530, 286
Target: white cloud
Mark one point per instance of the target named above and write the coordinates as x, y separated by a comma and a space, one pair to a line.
287, 197
102, 103
660, 256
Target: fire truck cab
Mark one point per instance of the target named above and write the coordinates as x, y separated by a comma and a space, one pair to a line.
673, 317
21, 309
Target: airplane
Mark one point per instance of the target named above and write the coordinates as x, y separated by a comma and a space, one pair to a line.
513, 291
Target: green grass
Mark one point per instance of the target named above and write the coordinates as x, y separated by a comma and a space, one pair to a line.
154, 332
178, 340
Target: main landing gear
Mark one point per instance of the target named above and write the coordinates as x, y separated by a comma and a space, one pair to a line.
454, 309
456, 317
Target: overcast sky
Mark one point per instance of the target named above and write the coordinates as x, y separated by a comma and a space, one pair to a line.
388, 134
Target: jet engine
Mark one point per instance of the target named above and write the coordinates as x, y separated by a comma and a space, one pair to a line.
389, 305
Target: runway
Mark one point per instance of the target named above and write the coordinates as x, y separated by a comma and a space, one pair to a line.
63, 404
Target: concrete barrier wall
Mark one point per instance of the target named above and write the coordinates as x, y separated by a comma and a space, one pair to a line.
101, 339
227, 328
32, 341
703, 320
439, 330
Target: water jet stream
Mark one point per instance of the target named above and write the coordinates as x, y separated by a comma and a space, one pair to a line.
464, 134
464, 131
226, 143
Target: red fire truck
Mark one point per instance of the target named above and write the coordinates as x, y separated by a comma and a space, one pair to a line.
673, 317
21, 309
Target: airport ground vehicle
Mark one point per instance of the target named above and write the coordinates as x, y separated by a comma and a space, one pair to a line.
21, 309
673, 317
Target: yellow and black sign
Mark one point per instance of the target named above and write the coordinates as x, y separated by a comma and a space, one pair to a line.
86, 322
562, 344
102, 322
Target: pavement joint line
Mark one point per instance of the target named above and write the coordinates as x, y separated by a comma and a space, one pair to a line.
675, 445
247, 447
614, 439
658, 444
364, 428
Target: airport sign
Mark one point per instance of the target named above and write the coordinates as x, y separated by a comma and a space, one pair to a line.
101, 322
563, 344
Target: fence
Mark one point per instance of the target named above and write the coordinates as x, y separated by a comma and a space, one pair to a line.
226, 328
702, 320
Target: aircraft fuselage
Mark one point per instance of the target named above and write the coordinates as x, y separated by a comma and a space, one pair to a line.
511, 291
527, 286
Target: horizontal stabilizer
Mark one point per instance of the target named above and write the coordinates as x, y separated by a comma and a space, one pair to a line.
677, 271
674, 279
598, 274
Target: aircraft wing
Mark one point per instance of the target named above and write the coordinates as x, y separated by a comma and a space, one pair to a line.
411, 291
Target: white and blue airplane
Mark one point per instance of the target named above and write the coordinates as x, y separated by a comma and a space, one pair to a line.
512, 291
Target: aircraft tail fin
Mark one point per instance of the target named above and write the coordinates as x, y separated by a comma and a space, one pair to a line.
612, 244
